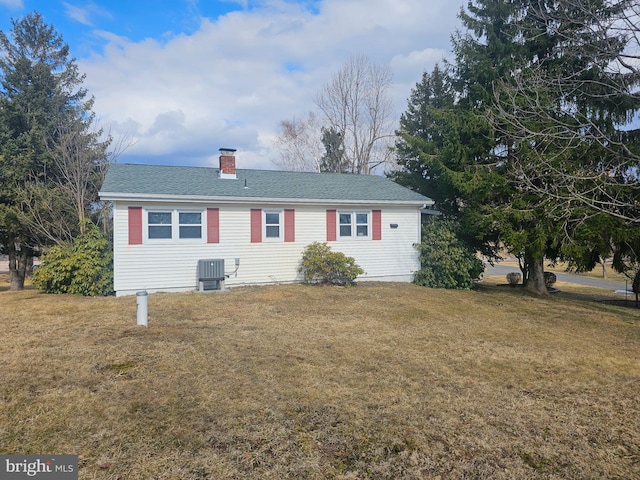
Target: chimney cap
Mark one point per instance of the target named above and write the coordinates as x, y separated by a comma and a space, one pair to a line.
228, 150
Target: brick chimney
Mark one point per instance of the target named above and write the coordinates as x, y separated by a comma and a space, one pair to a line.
227, 163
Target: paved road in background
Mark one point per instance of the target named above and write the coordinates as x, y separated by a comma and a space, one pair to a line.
502, 270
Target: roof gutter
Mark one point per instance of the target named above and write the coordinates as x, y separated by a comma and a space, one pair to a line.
142, 197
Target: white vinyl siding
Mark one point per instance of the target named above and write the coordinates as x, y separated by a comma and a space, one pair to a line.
171, 265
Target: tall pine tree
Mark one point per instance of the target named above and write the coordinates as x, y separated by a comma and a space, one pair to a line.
423, 136
41, 93
470, 150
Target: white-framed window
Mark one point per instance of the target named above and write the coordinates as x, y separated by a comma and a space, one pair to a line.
190, 224
273, 224
167, 224
346, 224
159, 224
362, 224
353, 224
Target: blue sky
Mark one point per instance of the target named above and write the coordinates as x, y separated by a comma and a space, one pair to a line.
177, 79
134, 19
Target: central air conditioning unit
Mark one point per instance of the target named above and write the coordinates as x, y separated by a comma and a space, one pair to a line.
210, 274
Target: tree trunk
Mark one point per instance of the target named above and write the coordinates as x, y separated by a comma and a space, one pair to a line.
524, 268
603, 262
19, 261
535, 281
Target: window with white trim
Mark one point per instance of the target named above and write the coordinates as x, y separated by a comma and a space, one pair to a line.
174, 224
345, 224
362, 224
159, 224
190, 224
353, 224
272, 225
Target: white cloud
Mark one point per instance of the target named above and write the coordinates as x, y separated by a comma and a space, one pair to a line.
231, 82
12, 4
413, 64
85, 13
78, 14
408, 69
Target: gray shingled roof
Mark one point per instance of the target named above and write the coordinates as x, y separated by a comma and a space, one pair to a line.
158, 180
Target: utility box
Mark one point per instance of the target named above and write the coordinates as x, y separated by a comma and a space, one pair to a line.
210, 274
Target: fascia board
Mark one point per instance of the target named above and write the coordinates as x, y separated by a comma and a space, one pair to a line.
138, 197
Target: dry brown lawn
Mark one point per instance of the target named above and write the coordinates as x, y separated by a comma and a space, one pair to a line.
384, 381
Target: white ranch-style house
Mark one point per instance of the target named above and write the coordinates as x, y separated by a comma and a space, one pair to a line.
195, 228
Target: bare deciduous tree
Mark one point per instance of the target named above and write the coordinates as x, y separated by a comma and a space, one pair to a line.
300, 144
56, 210
82, 162
356, 105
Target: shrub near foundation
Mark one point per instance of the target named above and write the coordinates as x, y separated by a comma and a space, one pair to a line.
82, 268
321, 265
445, 261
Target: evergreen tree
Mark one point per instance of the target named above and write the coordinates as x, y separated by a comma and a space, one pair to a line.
573, 112
41, 98
334, 160
422, 137
493, 48
475, 155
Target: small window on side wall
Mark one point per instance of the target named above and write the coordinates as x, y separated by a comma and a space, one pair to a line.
159, 225
272, 225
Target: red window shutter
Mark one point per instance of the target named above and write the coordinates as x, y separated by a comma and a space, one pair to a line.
289, 225
331, 225
376, 230
213, 225
256, 225
135, 225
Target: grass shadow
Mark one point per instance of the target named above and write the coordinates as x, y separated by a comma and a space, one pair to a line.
593, 297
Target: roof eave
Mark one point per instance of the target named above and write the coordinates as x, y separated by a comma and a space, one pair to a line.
140, 197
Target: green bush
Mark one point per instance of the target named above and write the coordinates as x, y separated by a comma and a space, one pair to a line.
82, 268
321, 265
445, 261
